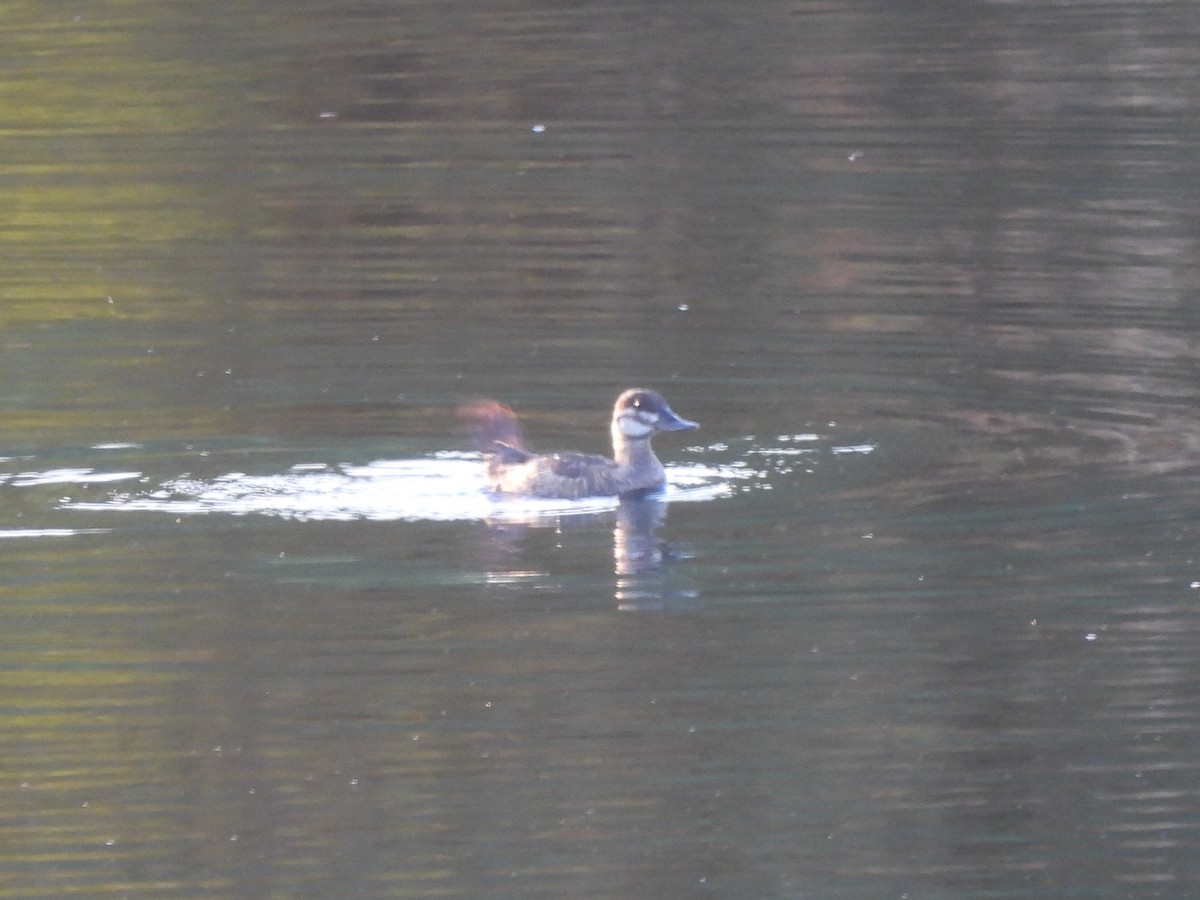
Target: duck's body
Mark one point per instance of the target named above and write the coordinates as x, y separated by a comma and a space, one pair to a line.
634, 469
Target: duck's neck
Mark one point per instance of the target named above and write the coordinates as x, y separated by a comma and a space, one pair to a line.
631, 452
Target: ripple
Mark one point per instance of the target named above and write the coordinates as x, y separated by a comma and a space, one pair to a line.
10, 533
67, 476
444, 487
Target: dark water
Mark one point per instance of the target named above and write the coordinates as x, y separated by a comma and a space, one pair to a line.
918, 616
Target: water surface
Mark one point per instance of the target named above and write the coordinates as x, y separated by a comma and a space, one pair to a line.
917, 615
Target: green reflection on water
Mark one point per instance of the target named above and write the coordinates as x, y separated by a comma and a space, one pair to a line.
101, 128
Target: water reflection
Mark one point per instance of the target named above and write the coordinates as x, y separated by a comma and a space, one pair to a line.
967, 235
639, 555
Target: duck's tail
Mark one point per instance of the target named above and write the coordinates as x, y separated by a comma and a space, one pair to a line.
492, 425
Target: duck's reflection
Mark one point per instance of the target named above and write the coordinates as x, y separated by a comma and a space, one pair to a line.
641, 559
638, 555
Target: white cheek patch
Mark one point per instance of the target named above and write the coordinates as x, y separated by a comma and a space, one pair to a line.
635, 426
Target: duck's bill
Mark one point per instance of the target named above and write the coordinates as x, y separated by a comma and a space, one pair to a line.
668, 421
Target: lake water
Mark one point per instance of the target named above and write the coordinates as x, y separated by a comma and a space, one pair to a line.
917, 616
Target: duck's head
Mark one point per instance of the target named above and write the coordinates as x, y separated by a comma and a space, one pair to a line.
639, 413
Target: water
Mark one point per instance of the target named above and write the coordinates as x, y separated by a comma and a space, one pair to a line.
917, 614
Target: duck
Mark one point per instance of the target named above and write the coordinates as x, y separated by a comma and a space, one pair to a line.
633, 470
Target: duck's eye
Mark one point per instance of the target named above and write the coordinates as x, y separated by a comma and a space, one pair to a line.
637, 402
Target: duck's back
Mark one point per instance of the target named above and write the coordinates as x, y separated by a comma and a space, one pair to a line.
566, 476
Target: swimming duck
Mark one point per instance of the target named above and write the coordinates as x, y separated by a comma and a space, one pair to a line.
634, 470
